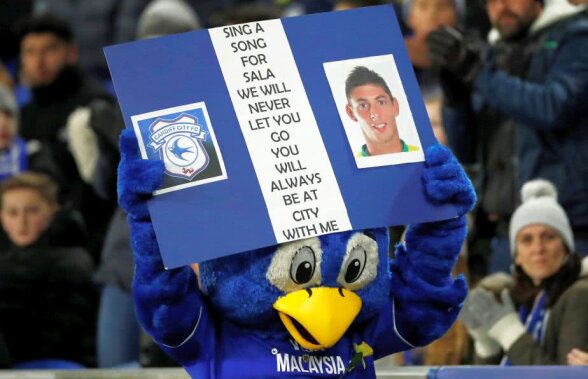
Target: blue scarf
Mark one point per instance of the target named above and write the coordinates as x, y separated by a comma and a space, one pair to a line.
535, 321
13, 160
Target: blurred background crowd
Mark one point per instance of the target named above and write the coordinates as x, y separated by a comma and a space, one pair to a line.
505, 83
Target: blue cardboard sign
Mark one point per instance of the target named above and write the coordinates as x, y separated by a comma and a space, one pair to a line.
277, 130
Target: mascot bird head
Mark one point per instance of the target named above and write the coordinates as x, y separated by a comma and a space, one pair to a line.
317, 287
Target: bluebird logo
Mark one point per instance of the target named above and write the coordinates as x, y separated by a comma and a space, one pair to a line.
179, 142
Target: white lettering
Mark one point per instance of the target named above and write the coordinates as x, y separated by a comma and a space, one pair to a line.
312, 365
294, 364
301, 364
329, 363
282, 363
319, 361
309, 364
340, 365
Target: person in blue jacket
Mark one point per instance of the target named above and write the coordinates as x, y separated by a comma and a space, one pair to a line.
542, 90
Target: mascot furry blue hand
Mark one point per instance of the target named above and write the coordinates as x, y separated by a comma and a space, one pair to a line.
322, 307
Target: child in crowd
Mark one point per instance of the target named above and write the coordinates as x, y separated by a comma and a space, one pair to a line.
47, 297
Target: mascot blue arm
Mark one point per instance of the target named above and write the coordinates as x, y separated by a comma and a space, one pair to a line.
424, 292
256, 296
168, 301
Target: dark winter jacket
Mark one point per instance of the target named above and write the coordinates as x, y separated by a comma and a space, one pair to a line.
548, 107
44, 119
566, 329
48, 303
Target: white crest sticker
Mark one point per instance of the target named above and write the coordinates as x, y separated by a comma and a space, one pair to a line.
183, 138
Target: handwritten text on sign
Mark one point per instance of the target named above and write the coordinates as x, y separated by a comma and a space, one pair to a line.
283, 139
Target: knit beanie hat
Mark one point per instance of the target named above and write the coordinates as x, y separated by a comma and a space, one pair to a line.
164, 17
540, 206
8, 102
460, 8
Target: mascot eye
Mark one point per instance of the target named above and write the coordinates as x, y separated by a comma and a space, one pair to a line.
296, 265
360, 264
355, 265
303, 264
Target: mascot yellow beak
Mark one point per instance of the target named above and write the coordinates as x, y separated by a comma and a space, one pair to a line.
318, 317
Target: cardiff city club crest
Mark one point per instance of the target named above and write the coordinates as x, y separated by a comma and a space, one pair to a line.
179, 143
184, 139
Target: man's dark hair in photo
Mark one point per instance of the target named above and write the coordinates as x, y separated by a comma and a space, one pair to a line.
361, 76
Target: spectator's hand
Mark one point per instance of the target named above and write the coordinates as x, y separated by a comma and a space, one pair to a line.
577, 357
484, 345
482, 311
449, 50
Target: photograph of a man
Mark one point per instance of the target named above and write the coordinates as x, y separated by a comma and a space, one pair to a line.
374, 110
371, 104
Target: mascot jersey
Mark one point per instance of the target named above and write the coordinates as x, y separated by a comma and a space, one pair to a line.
232, 352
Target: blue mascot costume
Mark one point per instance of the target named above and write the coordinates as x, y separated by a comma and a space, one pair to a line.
322, 307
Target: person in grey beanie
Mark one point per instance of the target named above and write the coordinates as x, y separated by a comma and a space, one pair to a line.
539, 316
165, 17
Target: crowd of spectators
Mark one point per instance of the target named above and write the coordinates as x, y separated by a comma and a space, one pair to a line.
505, 83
